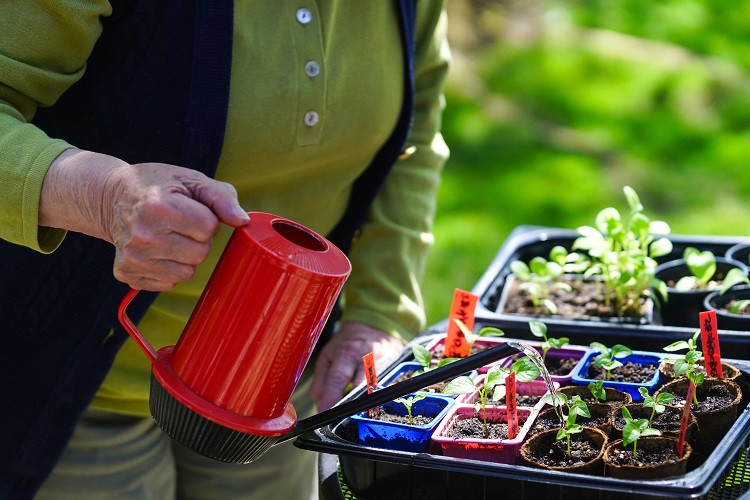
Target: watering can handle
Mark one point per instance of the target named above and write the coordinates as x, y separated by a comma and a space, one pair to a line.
131, 328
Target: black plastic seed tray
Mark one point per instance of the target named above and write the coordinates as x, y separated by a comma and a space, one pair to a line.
349, 470
526, 242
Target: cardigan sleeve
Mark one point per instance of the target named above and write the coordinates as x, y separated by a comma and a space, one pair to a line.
43, 51
389, 257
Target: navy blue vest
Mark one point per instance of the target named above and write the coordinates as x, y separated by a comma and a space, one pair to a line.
156, 89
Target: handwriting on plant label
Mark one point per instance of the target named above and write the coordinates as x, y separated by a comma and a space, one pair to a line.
710, 341
510, 403
462, 309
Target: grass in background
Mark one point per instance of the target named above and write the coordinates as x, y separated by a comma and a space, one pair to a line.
547, 129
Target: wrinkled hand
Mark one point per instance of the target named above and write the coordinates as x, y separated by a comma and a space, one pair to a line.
340, 361
161, 218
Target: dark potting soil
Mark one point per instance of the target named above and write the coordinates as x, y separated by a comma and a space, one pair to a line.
550, 421
380, 414
560, 366
581, 452
713, 398
629, 372
473, 428
584, 301
434, 388
521, 399
648, 456
716, 282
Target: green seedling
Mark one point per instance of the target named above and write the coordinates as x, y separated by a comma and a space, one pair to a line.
408, 402
691, 344
655, 403
524, 368
539, 329
486, 331
688, 367
623, 250
571, 262
424, 358
609, 359
576, 407
688, 364
596, 388
494, 385
702, 266
541, 276
636, 429
740, 306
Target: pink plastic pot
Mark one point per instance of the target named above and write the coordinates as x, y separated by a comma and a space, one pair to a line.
499, 451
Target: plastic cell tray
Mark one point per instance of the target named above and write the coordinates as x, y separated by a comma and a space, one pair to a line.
526, 242
351, 470
348, 470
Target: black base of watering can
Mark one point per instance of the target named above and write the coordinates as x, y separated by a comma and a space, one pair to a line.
202, 435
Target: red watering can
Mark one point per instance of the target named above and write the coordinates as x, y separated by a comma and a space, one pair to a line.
223, 390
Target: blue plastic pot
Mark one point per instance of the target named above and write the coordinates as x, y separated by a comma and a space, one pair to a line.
580, 374
403, 437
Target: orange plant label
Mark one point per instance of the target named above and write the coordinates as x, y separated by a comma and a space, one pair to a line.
685, 418
370, 374
710, 341
371, 377
462, 309
510, 403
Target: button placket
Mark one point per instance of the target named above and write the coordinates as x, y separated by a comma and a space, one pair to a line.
311, 79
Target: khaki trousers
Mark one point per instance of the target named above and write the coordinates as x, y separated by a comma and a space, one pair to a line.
119, 457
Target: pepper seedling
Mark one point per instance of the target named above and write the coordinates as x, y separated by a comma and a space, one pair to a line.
596, 388
689, 363
539, 329
608, 358
655, 403
634, 430
576, 407
408, 402
687, 367
690, 344
493, 388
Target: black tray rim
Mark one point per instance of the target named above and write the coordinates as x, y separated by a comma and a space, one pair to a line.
695, 483
526, 235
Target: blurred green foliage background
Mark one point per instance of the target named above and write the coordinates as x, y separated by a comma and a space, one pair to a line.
554, 106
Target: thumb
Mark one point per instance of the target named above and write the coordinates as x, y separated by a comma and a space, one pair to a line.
221, 198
